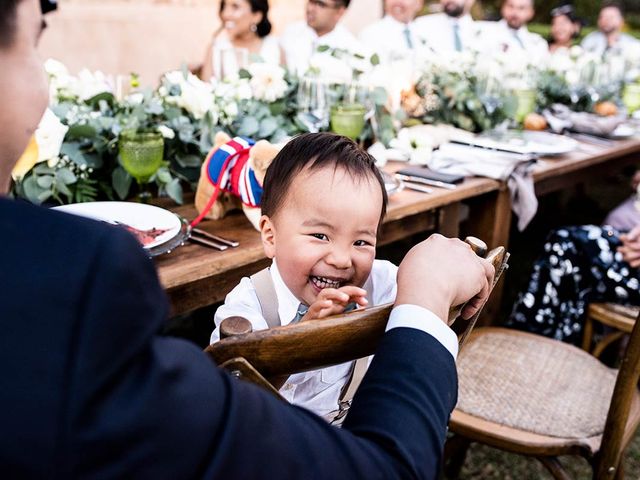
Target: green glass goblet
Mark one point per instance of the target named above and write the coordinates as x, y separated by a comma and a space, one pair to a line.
141, 155
526, 103
631, 97
348, 119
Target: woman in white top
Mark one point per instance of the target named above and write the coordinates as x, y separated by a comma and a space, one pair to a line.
245, 27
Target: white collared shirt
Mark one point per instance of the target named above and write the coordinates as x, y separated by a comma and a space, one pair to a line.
519, 42
319, 390
299, 42
438, 32
596, 42
387, 37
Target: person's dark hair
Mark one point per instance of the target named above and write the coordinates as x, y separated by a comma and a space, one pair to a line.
568, 11
7, 21
613, 4
263, 28
315, 151
345, 3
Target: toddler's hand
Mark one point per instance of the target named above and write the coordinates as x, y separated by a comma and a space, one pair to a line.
332, 301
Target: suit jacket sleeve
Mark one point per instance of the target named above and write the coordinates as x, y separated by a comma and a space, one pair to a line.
140, 405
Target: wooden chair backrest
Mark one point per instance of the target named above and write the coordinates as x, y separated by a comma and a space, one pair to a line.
623, 393
315, 344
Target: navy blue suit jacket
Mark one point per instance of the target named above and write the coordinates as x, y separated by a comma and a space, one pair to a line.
90, 390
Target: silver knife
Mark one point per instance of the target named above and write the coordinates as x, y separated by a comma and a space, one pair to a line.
427, 181
215, 238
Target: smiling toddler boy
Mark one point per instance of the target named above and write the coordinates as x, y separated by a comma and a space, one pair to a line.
322, 205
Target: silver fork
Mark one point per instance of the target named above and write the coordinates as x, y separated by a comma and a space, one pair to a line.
215, 238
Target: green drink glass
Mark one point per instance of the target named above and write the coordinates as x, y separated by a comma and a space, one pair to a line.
631, 97
141, 155
526, 103
348, 119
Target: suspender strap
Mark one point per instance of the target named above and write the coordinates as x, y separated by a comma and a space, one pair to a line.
266, 293
355, 379
368, 286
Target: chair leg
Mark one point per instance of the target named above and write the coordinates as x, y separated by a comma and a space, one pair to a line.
555, 468
587, 334
455, 451
605, 342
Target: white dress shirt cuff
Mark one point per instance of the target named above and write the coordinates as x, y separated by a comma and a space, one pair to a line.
413, 316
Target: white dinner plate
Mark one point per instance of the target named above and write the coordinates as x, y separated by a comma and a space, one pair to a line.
624, 130
523, 142
136, 215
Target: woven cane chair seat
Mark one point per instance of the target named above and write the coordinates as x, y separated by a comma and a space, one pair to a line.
534, 384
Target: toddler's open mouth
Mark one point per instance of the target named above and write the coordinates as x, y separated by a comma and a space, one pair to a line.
325, 282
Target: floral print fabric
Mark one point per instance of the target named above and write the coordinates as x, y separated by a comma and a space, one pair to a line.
579, 265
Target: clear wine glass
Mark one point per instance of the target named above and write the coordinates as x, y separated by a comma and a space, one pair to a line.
228, 61
489, 92
313, 104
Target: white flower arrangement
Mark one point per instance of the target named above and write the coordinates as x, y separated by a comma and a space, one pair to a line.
192, 94
83, 86
267, 82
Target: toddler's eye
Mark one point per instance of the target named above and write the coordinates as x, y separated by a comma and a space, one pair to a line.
320, 236
361, 243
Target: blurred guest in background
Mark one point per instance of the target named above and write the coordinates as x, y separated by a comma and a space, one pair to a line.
511, 34
609, 37
565, 28
245, 28
451, 31
301, 39
396, 32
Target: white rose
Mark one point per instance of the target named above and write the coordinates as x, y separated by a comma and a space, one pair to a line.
267, 81
49, 137
91, 84
134, 99
195, 96
55, 68
196, 102
231, 109
415, 144
176, 77
243, 90
44, 146
167, 132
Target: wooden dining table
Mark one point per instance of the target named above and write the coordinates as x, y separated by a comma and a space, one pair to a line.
196, 276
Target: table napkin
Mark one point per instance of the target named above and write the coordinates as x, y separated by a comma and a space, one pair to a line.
515, 169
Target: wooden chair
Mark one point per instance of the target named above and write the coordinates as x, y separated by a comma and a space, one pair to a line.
265, 356
531, 395
621, 318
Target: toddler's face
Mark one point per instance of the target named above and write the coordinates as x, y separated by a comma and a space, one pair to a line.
324, 235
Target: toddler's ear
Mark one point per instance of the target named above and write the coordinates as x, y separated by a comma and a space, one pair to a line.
268, 235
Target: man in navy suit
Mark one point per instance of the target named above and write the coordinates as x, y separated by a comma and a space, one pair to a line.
90, 390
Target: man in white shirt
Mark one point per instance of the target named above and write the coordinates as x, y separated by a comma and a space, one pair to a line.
302, 39
451, 31
609, 39
396, 33
511, 35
